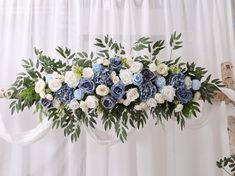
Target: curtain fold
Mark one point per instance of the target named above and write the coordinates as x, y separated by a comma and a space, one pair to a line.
207, 29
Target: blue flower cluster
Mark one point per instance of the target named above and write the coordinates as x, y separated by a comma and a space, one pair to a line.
86, 85
115, 63
117, 91
108, 102
103, 77
65, 94
184, 95
147, 90
177, 81
46, 103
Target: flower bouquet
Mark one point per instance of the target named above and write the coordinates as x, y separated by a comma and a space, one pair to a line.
113, 86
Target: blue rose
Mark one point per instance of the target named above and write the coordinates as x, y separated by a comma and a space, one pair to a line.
86, 85
147, 90
108, 102
78, 94
97, 68
184, 95
147, 74
103, 77
65, 94
46, 103
117, 91
177, 81
196, 84
48, 77
137, 79
160, 81
115, 63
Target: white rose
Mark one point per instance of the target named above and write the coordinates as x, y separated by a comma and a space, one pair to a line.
132, 94
106, 62
83, 106
91, 101
54, 85
141, 107
42, 94
197, 96
113, 74
56, 75
71, 79
151, 102
56, 103
136, 67
162, 69
100, 61
126, 76
115, 79
40, 86
88, 73
129, 60
74, 105
126, 102
49, 97
168, 93
120, 101
102, 90
152, 67
188, 82
137, 107
159, 98
179, 108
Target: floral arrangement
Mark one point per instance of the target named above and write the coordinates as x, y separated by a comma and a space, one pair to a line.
111, 85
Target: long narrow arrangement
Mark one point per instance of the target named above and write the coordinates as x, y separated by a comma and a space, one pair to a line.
110, 85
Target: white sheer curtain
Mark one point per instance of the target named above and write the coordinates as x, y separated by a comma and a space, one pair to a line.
207, 29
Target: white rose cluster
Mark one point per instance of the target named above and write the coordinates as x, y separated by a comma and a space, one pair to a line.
179, 108
40, 86
88, 73
136, 67
141, 107
126, 76
71, 79
162, 69
102, 90
168, 93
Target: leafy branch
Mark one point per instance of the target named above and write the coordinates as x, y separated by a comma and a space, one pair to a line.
227, 162
108, 44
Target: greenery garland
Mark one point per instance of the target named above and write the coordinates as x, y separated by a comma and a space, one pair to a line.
119, 89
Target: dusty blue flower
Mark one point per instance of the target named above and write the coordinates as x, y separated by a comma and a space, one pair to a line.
147, 90
115, 63
86, 85
177, 81
103, 77
108, 102
65, 94
137, 79
160, 81
147, 74
117, 91
46, 103
78, 94
184, 95
196, 84
97, 68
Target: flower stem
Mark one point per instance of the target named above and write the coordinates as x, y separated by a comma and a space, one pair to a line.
227, 171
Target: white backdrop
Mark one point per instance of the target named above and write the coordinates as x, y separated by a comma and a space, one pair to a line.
208, 40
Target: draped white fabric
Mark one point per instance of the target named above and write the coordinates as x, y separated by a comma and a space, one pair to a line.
207, 30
